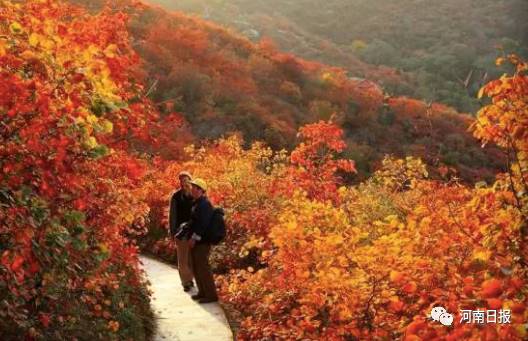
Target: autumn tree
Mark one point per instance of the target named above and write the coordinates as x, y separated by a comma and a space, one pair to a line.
68, 113
505, 122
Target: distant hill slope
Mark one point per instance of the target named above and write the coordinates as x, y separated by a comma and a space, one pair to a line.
222, 82
433, 50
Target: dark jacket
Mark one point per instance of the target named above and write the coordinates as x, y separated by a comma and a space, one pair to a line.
180, 210
201, 215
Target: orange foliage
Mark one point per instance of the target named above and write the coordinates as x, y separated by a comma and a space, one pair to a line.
65, 89
505, 122
306, 257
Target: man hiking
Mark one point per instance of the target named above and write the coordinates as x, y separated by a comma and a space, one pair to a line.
181, 203
201, 216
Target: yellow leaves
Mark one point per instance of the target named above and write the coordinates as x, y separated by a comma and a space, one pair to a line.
110, 51
80, 120
91, 119
38, 40
97, 71
394, 222
342, 261
34, 39
49, 27
107, 126
326, 76
399, 173
483, 120
359, 45
47, 44
396, 276
128, 217
104, 86
336, 240
500, 122
425, 223
103, 247
332, 274
386, 294
90, 142
481, 93
253, 242
522, 330
481, 254
291, 226
392, 219
16, 28
89, 53
92, 123
420, 210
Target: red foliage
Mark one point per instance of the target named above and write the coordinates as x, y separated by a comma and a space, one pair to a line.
66, 82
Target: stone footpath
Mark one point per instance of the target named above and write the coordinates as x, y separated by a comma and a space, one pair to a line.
178, 317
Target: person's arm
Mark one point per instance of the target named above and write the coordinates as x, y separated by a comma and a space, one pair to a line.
172, 215
201, 220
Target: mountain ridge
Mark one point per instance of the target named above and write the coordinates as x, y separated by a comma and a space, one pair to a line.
440, 52
221, 82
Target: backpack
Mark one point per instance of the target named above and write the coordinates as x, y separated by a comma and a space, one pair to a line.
217, 228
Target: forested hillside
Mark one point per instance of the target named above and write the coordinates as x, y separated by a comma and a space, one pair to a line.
433, 50
221, 82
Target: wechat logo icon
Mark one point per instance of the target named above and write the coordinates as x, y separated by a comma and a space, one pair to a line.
441, 315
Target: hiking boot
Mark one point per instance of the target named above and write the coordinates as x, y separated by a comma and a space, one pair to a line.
208, 299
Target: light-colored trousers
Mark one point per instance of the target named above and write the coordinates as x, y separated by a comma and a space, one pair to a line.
184, 261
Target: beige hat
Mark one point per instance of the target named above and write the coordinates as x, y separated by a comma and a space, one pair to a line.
184, 173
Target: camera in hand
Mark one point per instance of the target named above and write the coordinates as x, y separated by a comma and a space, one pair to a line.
183, 232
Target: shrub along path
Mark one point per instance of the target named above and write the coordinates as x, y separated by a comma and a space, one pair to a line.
178, 317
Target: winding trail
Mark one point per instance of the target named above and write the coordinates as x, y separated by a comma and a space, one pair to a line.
178, 317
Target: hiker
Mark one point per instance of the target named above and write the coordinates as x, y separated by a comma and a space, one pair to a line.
201, 216
179, 213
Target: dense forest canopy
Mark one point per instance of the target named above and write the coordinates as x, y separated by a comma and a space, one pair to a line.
221, 82
434, 50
